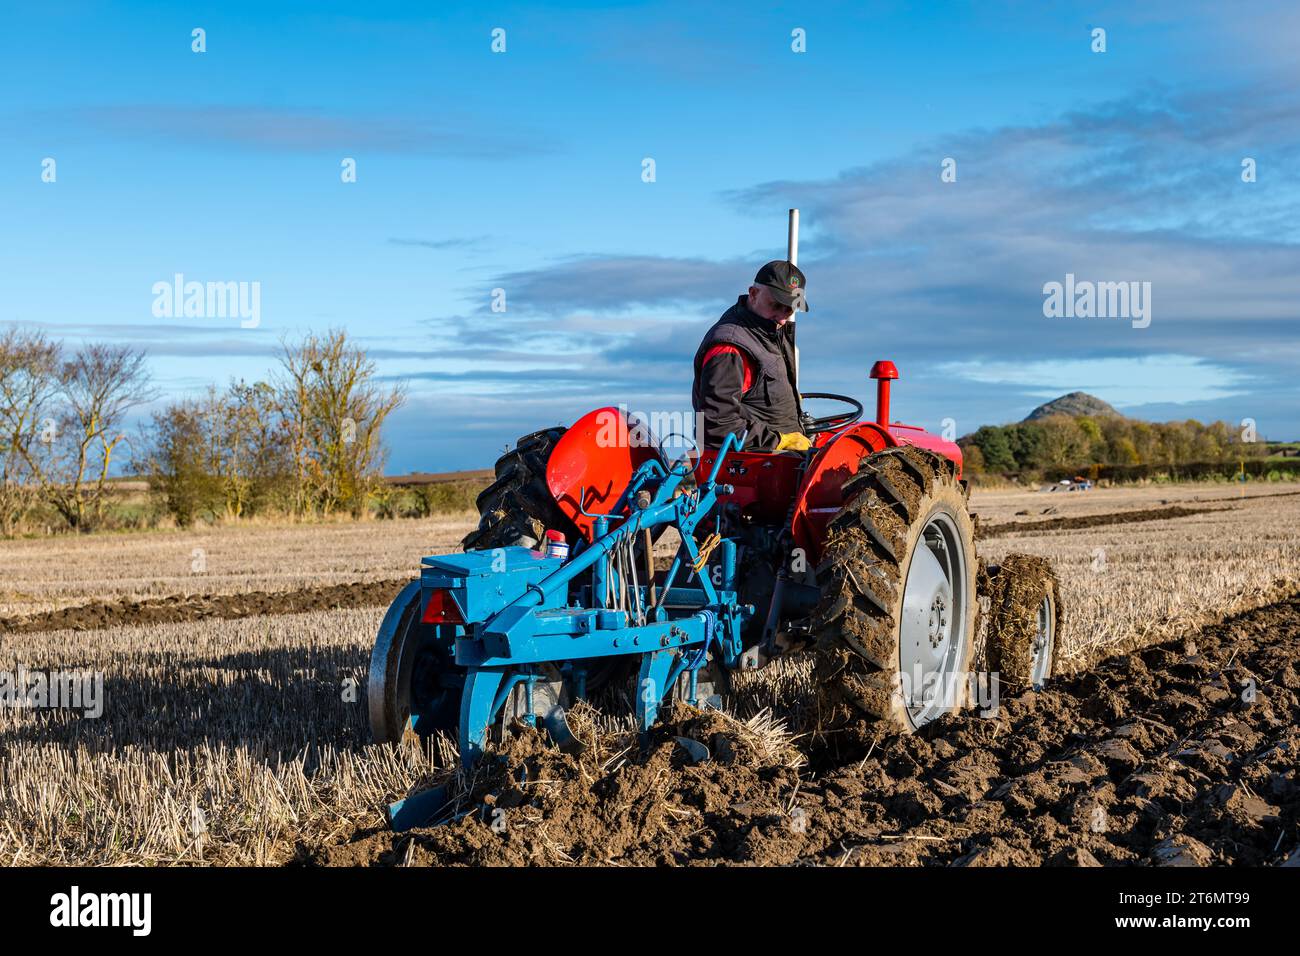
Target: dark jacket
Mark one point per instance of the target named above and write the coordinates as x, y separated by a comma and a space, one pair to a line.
770, 406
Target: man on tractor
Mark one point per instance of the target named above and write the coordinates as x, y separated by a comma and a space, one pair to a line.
745, 368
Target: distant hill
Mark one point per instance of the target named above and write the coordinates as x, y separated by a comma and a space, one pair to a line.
1079, 434
1074, 405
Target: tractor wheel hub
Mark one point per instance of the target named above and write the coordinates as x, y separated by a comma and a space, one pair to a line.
934, 615
938, 619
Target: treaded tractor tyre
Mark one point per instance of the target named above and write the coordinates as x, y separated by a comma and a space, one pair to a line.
518, 508
1024, 625
895, 623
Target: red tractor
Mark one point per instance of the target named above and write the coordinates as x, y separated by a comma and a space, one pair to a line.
859, 551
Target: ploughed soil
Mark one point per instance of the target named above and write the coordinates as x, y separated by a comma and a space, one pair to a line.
1185, 753
175, 609
1119, 517
1092, 521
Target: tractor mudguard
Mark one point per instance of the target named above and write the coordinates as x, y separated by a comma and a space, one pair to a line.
595, 461
766, 483
819, 497
915, 435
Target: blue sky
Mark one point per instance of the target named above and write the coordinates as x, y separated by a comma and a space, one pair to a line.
522, 171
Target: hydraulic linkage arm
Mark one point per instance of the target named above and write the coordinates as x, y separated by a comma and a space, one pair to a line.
671, 635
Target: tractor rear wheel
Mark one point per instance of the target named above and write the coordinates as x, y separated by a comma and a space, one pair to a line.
518, 508
895, 623
1024, 621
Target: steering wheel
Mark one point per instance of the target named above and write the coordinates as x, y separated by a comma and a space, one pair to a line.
814, 426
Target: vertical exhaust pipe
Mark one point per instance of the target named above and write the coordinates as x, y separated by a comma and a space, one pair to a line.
884, 373
792, 254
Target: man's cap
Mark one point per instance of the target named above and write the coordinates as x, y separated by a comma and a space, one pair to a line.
786, 282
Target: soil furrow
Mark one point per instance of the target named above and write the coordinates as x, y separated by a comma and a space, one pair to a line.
1182, 753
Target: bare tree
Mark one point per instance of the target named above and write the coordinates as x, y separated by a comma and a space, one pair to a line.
174, 454
333, 411
95, 390
293, 401
29, 380
219, 455
247, 444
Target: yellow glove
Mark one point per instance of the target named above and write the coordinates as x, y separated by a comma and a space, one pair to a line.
793, 441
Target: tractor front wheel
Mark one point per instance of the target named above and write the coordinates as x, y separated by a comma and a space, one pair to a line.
1024, 621
895, 623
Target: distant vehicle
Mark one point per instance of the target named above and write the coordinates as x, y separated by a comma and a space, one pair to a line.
1078, 484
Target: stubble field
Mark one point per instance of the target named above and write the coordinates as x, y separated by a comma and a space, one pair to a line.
234, 728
